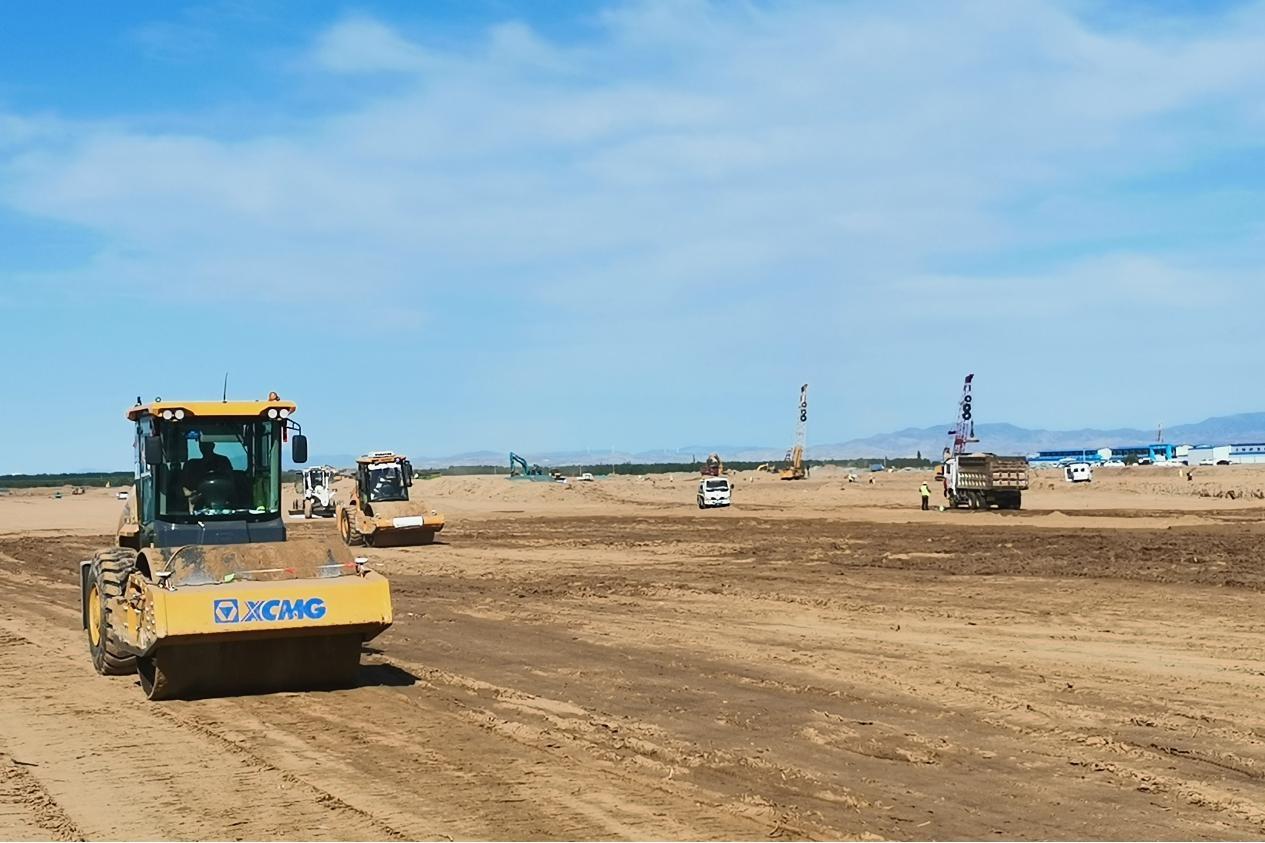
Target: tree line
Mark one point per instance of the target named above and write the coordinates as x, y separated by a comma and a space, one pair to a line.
100, 479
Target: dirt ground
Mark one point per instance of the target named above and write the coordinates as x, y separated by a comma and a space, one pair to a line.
605, 661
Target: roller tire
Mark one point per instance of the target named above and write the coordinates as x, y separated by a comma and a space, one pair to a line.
107, 578
347, 529
154, 680
231, 668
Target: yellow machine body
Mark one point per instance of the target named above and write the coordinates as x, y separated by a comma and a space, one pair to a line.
399, 520
149, 614
203, 596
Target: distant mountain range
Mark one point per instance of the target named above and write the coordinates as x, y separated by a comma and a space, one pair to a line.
929, 441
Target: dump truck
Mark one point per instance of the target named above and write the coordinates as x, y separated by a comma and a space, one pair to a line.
982, 481
203, 593
314, 492
380, 512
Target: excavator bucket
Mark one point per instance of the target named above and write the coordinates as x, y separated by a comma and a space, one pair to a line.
243, 618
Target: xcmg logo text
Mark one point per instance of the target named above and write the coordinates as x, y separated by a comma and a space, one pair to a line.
232, 610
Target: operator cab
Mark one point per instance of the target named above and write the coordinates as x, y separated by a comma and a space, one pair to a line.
383, 477
317, 478
210, 473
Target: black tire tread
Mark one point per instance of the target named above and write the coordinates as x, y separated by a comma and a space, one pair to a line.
354, 537
110, 569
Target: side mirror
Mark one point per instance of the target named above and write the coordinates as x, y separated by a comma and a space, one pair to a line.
153, 450
298, 448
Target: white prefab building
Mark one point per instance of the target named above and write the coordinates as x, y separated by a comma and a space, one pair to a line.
1209, 455
1251, 452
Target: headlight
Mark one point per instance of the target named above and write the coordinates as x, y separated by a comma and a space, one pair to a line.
272, 412
168, 415
284, 413
179, 414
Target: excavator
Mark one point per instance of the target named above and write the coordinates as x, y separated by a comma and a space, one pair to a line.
795, 468
203, 592
520, 470
713, 467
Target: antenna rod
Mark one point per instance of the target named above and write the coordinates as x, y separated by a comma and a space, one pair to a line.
225, 399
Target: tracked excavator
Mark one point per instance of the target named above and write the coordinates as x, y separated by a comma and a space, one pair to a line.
204, 594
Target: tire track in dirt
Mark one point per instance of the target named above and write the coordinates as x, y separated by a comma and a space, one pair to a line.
27, 812
408, 763
612, 677
425, 760
119, 769
637, 614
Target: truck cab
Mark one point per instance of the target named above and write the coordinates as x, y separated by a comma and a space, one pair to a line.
713, 492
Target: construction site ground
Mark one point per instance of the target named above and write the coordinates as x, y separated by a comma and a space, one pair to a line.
604, 661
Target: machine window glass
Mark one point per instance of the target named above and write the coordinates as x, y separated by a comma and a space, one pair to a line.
386, 483
220, 469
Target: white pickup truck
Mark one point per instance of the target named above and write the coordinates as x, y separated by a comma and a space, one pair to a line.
714, 491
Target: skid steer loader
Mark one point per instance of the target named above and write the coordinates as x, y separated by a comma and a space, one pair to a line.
380, 513
203, 594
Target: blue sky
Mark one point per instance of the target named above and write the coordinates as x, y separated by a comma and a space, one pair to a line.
460, 225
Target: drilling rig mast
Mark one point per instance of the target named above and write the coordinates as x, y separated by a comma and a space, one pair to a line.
795, 468
963, 432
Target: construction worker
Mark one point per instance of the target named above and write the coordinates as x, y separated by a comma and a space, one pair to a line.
199, 468
925, 491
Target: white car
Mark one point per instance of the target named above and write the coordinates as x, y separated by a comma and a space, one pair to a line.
122, 496
586, 477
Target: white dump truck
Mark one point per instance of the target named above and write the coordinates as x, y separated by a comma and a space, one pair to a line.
714, 491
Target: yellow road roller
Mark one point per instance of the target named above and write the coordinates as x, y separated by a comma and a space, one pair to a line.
203, 594
381, 512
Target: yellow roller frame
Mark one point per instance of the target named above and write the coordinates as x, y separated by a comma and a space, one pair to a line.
282, 607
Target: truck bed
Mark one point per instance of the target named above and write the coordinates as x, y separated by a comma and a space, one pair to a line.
986, 472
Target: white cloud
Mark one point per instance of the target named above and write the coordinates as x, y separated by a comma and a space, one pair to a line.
365, 45
682, 150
